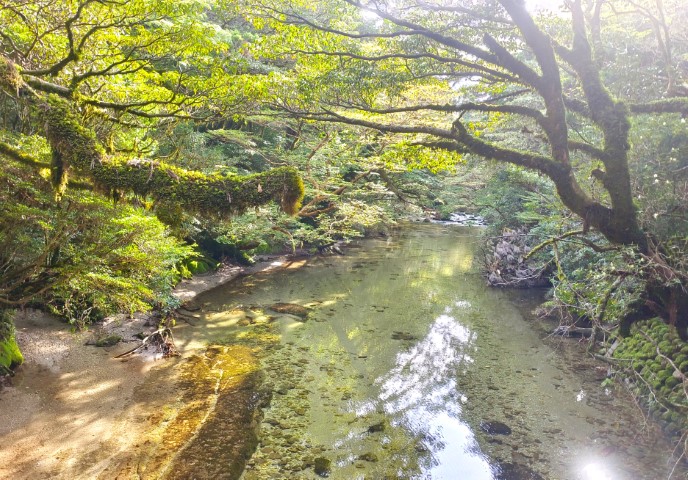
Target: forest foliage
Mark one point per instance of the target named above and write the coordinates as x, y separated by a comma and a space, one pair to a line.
141, 140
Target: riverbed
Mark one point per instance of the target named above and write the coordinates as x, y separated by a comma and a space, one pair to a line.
394, 361
408, 366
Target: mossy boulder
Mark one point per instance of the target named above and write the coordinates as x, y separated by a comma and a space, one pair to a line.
10, 355
323, 466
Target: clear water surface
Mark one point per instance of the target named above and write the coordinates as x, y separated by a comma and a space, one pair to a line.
410, 367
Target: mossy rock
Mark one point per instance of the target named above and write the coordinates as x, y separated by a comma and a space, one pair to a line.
683, 366
10, 355
657, 372
655, 366
197, 266
368, 457
323, 466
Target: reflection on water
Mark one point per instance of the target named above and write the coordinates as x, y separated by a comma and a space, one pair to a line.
405, 355
421, 392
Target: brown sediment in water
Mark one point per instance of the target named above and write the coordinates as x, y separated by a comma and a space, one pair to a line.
210, 431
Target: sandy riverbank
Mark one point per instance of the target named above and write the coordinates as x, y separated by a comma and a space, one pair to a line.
73, 411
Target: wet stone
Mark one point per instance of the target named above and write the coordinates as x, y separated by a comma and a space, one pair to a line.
404, 336
495, 428
368, 457
291, 309
378, 427
322, 466
515, 471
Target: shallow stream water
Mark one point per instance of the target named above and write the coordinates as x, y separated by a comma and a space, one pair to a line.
409, 367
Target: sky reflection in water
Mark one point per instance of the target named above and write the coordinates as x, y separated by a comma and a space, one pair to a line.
421, 393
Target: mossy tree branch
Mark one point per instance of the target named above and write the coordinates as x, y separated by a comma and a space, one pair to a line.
75, 147
21, 157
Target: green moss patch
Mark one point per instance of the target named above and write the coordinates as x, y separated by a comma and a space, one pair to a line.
656, 359
10, 78
10, 355
76, 147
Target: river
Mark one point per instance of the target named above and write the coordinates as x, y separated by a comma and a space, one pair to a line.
408, 366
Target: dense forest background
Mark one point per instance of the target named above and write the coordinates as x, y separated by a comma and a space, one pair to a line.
142, 142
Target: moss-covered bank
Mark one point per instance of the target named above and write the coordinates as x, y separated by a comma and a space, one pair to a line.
655, 360
10, 356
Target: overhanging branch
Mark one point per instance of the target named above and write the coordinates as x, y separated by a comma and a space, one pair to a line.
75, 147
21, 157
669, 105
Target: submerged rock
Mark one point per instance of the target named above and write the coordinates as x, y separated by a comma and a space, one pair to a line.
403, 336
378, 427
368, 457
495, 428
291, 309
515, 471
322, 466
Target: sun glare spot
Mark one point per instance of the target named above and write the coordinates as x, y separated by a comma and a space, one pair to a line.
543, 5
596, 471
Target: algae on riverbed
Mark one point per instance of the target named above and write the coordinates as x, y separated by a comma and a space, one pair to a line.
210, 431
406, 354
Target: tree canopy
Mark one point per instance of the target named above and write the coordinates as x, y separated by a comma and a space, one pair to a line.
443, 73
105, 94
89, 92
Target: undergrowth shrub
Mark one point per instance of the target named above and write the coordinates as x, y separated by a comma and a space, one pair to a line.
83, 257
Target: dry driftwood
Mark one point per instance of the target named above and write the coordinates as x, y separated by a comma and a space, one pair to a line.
161, 340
